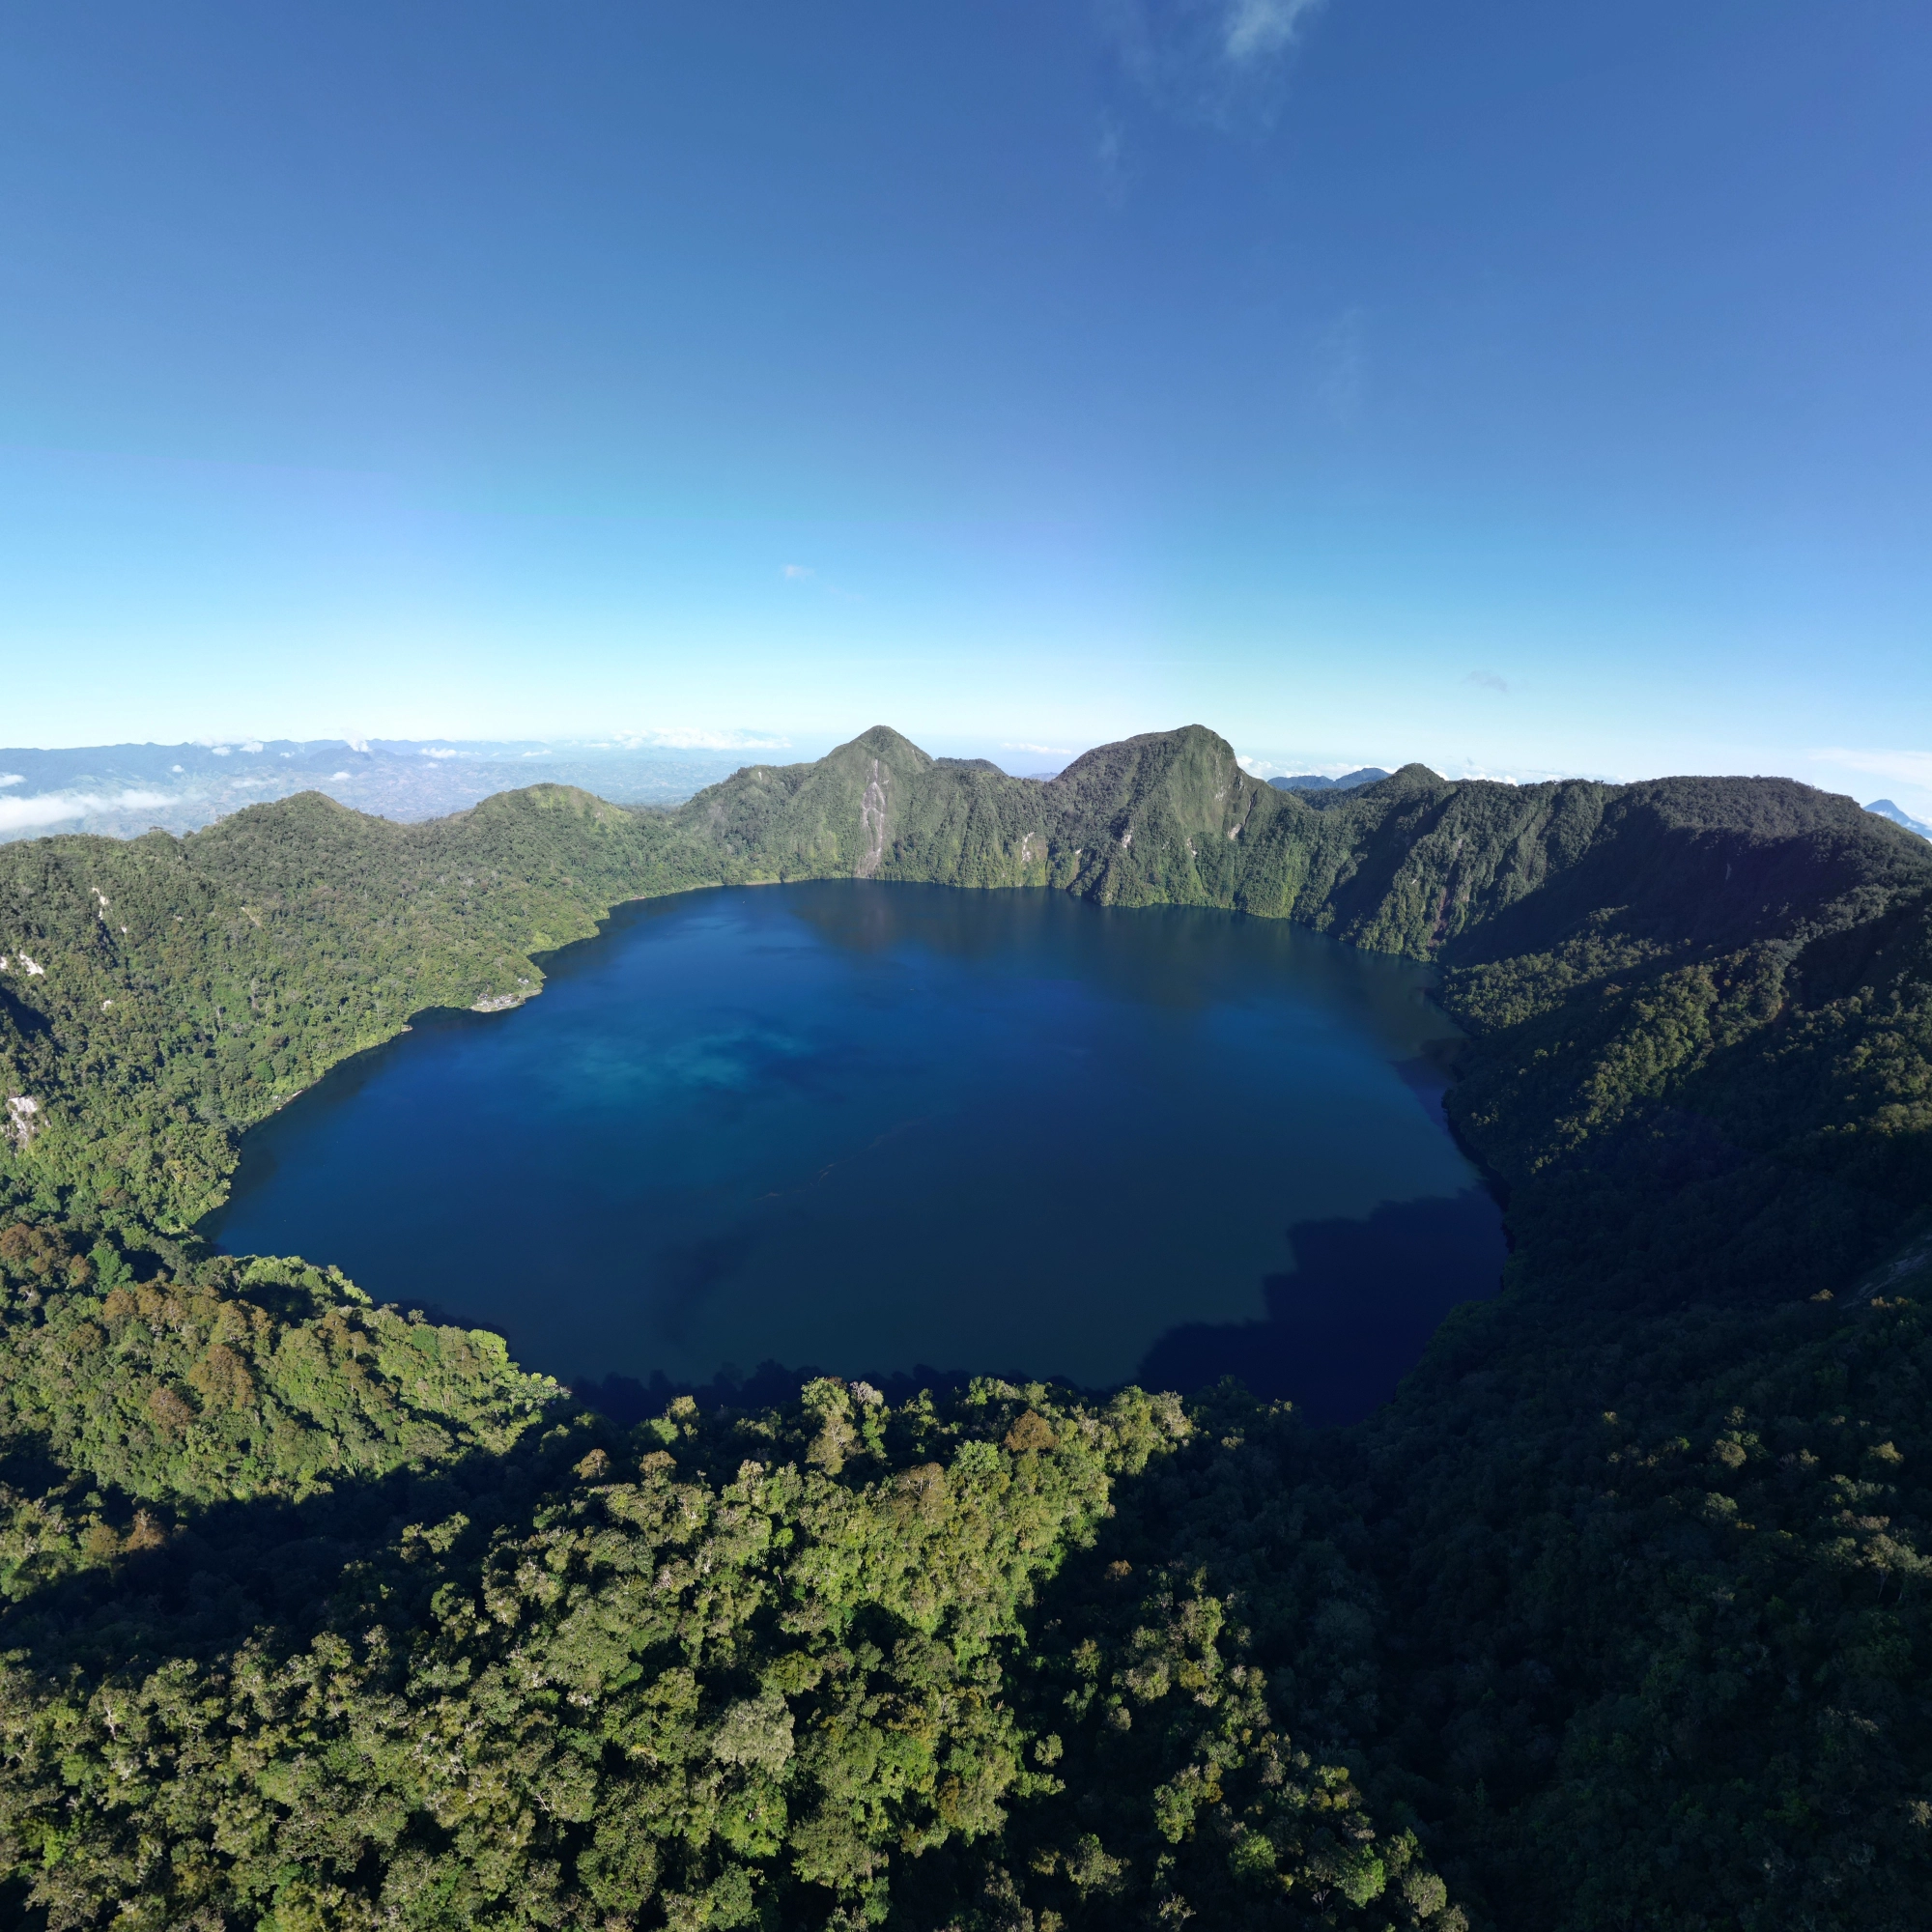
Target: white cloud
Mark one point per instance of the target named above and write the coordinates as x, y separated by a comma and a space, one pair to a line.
1044, 750
357, 744
435, 752
333, 776
14, 778
221, 751
1472, 771
1906, 768
1211, 60
689, 738
1256, 29
802, 573
174, 768
57, 807
1260, 767
252, 746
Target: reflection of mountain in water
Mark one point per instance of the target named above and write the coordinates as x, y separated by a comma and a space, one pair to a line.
1351, 1322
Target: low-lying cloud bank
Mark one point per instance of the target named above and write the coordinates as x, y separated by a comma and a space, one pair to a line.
120, 790
57, 808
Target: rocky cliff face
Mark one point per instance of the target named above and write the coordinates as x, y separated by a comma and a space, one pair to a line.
1718, 990
1412, 864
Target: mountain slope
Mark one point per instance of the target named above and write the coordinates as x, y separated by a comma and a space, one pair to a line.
1616, 1616
1413, 864
1315, 782
1886, 809
1737, 954
183, 986
160, 994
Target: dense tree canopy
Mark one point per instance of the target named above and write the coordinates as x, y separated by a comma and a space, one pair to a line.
318, 1613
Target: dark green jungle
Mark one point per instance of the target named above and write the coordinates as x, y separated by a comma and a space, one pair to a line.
319, 1614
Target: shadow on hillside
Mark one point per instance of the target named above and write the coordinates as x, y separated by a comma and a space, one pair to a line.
1353, 1318
185, 1580
272, 1576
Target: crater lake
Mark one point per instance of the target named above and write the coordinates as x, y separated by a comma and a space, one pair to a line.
892, 1131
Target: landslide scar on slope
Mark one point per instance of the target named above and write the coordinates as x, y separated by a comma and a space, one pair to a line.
872, 822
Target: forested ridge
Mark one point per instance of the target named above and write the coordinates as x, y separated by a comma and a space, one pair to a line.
324, 1614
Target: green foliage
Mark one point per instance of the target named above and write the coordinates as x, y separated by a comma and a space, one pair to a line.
1165, 1663
185, 988
697, 1677
1656, 1631
321, 1615
134, 1400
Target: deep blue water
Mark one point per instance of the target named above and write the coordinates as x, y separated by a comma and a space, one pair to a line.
875, 1129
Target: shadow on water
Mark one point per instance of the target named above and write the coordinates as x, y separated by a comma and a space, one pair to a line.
1342, 1329
1353, 1318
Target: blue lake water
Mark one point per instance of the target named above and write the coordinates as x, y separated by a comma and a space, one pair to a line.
884, 1129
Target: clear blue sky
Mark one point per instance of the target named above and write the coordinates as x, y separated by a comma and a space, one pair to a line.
1518, 388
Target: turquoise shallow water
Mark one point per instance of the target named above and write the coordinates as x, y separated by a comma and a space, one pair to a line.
875, 1129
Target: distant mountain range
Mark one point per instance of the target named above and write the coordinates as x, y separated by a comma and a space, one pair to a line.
1312, 781
1885, 808
122, 790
